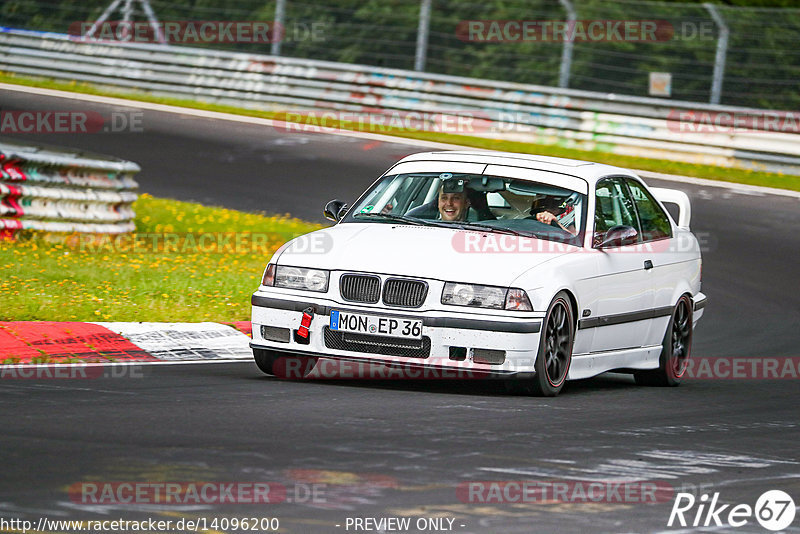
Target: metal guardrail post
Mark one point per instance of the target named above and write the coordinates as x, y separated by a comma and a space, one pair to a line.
280, 18
566, 52
422, 35
127, 16
722, 50
151, 16
103, 17
127, 12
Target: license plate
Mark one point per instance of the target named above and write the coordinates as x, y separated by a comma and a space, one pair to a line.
376, 325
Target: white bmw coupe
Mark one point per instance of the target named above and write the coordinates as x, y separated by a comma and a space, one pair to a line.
532, 268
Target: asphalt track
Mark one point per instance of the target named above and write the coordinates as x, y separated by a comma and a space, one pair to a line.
401, 448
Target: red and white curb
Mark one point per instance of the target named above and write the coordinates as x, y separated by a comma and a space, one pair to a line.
47, 342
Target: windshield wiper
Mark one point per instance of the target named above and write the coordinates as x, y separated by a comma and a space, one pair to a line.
395, 217
495, 229
446, 224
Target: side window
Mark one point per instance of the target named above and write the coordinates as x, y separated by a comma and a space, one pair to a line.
411, 193
496, 200
655, 223
613, 207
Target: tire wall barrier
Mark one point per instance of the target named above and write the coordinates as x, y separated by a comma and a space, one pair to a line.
54, 190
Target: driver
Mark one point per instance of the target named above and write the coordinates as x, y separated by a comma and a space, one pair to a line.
550, 210
453, 201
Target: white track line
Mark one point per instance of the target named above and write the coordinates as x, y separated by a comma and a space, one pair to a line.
216, 115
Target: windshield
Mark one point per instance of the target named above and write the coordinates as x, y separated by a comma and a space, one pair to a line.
490, 203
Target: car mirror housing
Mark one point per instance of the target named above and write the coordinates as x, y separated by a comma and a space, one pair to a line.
619, 236
335, 210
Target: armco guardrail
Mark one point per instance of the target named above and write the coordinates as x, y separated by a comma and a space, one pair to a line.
647, 127
55, 190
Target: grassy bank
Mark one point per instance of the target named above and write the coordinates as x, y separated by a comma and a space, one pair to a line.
656, 165
186, 262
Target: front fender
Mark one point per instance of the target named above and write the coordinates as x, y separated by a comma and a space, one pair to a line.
544, 281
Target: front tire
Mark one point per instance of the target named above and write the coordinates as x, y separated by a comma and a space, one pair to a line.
675, 349
283, 366
555, 348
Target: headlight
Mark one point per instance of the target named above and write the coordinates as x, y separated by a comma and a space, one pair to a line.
299, 278
478, 296
474, 295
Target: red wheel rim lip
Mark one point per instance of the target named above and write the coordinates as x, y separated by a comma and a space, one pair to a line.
682, 363
568, 321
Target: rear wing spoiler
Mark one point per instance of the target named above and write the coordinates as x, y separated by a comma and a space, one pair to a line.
681, 199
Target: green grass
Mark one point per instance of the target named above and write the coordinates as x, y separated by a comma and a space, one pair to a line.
743, 176
204, 266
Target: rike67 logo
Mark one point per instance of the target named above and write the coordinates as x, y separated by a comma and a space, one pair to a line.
774, 510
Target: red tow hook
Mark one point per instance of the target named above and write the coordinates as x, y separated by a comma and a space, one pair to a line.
308, 315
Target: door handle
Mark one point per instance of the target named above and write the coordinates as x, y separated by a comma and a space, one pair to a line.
648, 265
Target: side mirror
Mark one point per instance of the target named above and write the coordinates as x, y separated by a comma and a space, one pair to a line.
335, 210
619, 236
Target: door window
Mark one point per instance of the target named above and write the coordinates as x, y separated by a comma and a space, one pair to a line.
655, 223
613, 207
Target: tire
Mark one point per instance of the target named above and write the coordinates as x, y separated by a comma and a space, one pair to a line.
283, 366
675, 349
555, 348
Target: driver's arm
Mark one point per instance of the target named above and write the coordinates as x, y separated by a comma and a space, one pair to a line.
548, 218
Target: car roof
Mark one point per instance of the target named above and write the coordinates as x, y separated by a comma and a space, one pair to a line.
587, 170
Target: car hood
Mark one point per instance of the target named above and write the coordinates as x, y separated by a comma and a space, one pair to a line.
421, 251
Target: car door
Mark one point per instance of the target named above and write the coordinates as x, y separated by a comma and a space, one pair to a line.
621, 295
669, 257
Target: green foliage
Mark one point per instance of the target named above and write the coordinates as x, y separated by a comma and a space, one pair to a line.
763, 64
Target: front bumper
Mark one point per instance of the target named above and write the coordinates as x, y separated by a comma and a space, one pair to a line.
516, 337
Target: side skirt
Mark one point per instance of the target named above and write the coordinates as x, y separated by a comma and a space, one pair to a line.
592, 364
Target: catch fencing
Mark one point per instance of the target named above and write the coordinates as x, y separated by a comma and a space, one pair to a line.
712, 52
633, 126
53, 190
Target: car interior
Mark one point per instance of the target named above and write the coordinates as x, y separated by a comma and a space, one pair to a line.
504, 202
